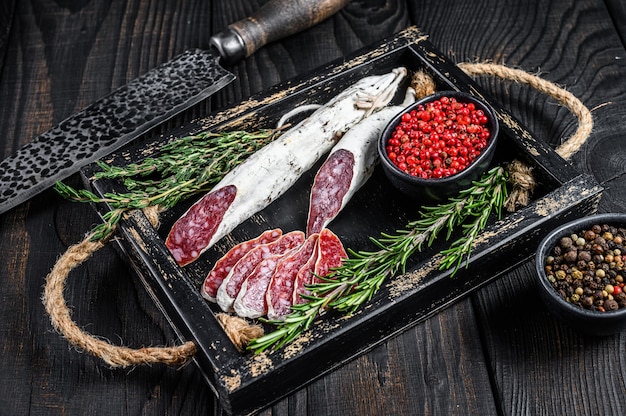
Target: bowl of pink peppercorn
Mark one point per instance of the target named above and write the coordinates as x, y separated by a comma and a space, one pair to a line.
439, 145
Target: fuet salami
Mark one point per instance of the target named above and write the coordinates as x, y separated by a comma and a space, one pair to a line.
279, 294
273, 169
231, 285
348, 166
221, 268
329, 254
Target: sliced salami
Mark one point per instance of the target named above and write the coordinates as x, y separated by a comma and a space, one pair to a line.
304, 277
250, 302
190, 235
279, 294
221, 268
231, 285
329, 254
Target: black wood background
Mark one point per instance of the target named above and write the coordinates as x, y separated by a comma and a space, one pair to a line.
497, 352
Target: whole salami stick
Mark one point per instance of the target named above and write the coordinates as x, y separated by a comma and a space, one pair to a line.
272, 170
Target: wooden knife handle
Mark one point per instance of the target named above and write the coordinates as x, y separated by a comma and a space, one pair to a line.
275, 20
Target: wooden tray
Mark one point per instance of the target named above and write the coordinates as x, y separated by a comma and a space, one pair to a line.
245, 383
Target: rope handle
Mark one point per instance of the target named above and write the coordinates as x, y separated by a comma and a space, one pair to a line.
585, 121
115, 356
239, 331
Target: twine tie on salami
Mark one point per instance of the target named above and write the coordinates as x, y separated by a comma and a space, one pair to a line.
239, 330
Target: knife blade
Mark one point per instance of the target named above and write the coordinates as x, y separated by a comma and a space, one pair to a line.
155, 97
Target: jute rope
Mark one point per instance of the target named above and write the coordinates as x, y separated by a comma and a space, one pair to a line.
585, 121
239, 330
60, 316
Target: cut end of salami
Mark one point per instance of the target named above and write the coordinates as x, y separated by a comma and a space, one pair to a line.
191, 235
329, 189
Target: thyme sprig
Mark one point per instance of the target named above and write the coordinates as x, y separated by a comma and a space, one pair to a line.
362, 274
184, 167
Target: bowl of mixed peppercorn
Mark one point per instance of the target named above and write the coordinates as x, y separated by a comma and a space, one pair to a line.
581, 269
439, 145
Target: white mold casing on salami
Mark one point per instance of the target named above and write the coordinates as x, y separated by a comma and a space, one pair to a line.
273, 169
231, 285
349, 165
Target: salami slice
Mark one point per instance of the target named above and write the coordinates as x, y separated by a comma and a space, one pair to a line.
221, 268
329, 254
190, 235
231, 285
304, 277
279, 294
250, 302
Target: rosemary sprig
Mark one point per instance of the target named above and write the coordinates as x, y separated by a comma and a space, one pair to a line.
362, 274
494, 200
183, 168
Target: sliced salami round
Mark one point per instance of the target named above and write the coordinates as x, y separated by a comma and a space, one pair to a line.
250, 302
221, 268
329, 254
304, 277
231, 285
279, 294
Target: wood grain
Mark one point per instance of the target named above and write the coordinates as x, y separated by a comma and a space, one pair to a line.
535, 361
499, 352
7, 9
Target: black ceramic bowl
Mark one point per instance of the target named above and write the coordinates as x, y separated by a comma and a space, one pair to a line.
582, 320
439, 189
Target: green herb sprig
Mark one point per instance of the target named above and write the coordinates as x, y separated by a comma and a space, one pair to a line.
183, 168
361, 275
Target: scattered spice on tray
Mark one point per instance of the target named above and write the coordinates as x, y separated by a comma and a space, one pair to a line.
587, 268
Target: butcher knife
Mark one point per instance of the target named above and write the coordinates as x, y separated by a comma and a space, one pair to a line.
153, 98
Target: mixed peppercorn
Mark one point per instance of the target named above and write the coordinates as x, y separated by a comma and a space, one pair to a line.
587, 268
438, 139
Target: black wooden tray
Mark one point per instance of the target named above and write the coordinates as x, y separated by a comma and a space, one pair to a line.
245, 383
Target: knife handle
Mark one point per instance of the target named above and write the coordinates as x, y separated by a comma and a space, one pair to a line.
275, 20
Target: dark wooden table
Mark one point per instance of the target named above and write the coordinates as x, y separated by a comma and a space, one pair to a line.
497, 352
